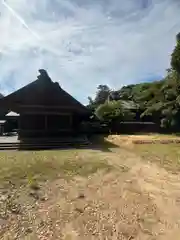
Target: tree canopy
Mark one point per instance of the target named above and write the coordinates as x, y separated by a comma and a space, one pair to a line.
158, 101
175, 57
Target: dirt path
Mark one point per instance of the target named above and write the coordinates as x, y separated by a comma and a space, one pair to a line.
135, 201
163, 189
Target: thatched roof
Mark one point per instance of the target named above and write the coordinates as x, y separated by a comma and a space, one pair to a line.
42, 92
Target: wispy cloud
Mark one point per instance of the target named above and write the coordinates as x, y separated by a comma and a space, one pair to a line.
85, 43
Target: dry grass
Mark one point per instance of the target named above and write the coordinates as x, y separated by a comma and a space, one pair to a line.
24, 177
91, 194
166, 156
163, 152
21, 167
144, 139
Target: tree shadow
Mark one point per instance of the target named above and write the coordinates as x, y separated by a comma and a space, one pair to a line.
98, 142
177, 134
95, 142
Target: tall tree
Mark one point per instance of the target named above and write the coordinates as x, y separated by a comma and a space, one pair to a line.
102, 94
175, 57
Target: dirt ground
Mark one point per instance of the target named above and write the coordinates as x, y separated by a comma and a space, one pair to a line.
135, 200
144, 139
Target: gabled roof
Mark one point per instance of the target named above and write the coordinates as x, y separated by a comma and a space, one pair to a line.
42, 92
2, 121
12, 114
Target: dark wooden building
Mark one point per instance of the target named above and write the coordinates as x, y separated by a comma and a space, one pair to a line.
45, 110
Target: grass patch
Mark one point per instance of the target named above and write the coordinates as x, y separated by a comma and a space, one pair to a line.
32, 167
167, 156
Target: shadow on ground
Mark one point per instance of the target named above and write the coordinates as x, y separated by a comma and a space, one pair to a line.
97, 142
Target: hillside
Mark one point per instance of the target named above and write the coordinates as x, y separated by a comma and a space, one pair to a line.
158, 101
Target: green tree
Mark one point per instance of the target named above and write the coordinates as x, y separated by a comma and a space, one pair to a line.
101, 96
109, 111
114, 111
158, 101
175, 57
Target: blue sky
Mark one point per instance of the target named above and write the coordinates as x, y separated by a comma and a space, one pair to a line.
83, 43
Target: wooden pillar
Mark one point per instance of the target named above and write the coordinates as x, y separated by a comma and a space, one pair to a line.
3, 129
71, 120
19, 127
46, 122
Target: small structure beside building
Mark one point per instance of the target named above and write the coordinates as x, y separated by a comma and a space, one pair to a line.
136, 127
11, 124
2, 123
12, 115
135, 124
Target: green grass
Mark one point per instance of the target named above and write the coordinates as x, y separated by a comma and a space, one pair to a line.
165, 155
28, 167
23, 175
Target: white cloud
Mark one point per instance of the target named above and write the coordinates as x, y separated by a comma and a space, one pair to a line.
86, 43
